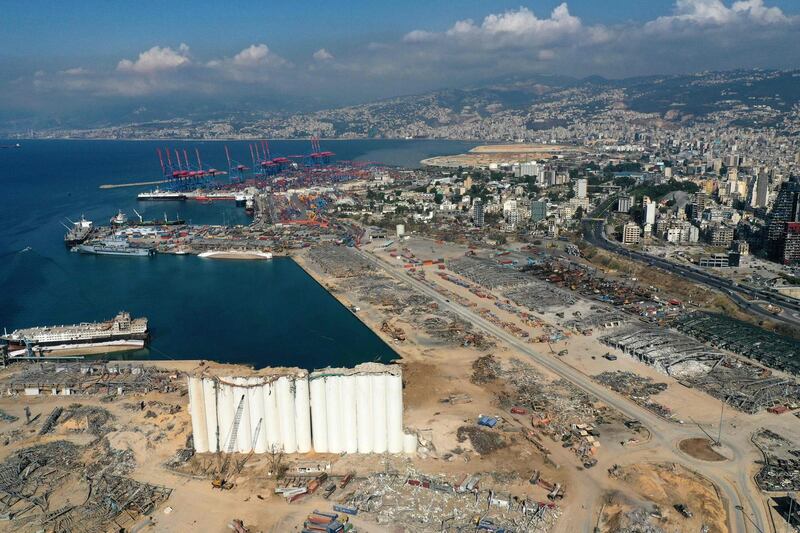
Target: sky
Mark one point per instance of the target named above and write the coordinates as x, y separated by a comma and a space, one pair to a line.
62, 61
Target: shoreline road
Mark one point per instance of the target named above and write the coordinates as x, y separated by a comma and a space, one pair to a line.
730, 477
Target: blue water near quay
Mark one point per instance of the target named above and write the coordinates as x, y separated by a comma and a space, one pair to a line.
264, 313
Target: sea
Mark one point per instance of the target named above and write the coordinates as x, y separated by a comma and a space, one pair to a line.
262, 313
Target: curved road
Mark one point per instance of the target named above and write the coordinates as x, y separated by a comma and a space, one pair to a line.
735, 483
594, 233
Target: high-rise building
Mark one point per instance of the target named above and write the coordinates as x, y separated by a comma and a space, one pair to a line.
649, 210
581, 188
762, 190
631, 233
700, 199
538, 211
786, 209
790, 252
530, 168
477, 212
624, 204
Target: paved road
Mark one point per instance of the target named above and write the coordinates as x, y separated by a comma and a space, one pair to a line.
731, 477
594, 233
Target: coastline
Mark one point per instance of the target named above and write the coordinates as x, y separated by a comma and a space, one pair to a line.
251, 139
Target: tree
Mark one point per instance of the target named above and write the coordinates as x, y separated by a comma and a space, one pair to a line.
277, 465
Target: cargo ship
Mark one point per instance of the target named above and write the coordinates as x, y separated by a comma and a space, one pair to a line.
158, 194
79, 232
113, 247
235, 254
121, 332
163, 222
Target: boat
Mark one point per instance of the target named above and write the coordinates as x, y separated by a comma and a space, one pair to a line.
113, 247
240, 200
79, 232
158, 194
120, 331
162, 222
235, 254
120, 219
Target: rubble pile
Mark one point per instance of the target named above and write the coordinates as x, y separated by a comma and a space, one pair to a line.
414, 502
84, 377
637, 388
61, 486
736, 381
339, 261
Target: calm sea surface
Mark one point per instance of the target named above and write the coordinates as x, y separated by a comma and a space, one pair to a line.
259, 312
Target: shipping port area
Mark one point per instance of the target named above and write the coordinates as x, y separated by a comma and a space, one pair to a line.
533, 390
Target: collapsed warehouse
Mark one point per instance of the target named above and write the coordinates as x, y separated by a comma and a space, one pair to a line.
85, 377
358, 410
737, 382
520, 288
766, 347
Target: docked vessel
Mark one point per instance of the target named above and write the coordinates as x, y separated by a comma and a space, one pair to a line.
162, 222
240, 200
235, 254
120, 219
122, 331
113, 247
158, 194
79, 232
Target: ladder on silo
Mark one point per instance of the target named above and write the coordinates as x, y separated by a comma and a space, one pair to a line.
237, 418
221, 481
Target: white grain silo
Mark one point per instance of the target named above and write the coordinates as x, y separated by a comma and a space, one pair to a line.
394, 412
225, 411
349, 432
333, 414
197, 407
287, 413
241, 393
255, 396
272, 419
409, 443
379, 430
211, 412
319, 414
364, 426
302, 407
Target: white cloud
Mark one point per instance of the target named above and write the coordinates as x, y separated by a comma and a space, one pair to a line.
157, 59
255, 54
75, 71
322, 55
520, 25
717, 13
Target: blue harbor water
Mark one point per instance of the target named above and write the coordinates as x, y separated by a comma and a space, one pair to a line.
264, 313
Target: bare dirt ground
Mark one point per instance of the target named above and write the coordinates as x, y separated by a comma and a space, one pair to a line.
657, 489
700, 448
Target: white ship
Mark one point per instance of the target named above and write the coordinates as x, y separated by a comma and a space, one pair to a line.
158, 194
235, 254
122, 330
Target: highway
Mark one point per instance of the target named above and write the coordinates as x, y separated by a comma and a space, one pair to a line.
594, 233
730, 477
